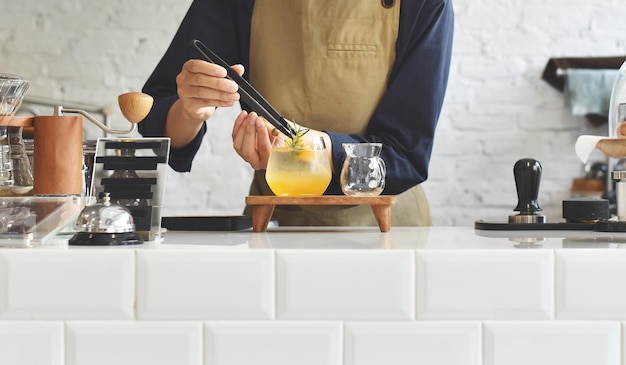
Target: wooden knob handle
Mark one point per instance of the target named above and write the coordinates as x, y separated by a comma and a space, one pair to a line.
135, 105
612, 147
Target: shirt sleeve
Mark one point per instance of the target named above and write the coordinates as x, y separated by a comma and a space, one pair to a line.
407, 115
223, 26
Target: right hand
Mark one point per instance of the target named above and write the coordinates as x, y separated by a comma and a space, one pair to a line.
202, 86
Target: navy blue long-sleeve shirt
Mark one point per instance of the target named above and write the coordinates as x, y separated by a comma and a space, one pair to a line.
404, 121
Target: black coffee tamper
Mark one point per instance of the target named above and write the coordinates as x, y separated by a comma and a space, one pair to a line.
580, 213
527, 172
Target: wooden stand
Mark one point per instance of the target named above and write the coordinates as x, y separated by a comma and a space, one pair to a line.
263, 207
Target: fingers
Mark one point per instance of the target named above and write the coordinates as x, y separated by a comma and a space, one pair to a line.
206, 81
245, 139
264, 144
251, 139
239, 122
202, 86
239, 69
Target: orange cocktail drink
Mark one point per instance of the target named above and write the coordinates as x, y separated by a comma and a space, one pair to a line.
299, 170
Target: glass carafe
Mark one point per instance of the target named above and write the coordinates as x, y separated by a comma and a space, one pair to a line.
127, 173
617, 105
6, 166
22, 172
363, 172
15, 171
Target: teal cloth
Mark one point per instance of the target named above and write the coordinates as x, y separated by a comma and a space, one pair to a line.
588, 91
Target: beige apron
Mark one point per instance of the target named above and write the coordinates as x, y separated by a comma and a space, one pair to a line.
325, 65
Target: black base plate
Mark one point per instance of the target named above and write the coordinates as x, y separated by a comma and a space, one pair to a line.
561, 226
105, 239
611, 226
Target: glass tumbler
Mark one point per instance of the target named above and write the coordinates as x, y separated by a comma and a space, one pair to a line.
298, 170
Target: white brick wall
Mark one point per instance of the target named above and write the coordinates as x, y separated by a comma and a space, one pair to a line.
497, 109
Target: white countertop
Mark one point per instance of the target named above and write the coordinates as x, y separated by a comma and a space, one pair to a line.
429, 238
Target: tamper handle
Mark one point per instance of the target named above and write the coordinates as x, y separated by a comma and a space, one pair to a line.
527, 173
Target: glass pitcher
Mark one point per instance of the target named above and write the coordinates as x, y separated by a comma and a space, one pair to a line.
363, 172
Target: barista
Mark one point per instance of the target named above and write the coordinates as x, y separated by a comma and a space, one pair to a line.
351, 70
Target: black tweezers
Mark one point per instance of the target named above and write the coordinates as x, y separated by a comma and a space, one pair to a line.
248, 94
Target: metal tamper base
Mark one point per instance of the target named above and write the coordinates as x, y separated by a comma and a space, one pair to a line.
527, 218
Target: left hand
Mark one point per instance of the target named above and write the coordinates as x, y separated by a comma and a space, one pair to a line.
252, 139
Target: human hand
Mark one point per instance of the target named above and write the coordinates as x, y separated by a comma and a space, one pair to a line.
202, 86
252, 139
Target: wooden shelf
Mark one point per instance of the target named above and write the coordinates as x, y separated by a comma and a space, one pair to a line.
15, 121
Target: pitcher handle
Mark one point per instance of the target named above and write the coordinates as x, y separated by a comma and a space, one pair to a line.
383, 167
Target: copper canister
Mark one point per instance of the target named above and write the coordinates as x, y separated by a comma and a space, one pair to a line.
58, 153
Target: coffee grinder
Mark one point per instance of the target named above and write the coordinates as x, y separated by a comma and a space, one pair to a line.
128, 172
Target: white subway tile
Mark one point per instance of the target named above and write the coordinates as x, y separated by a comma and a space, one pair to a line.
485, 284
133, 343
590, 284
271, 343
408, 343
552, 342
191, 284
31, 342
344, 284
81, 284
